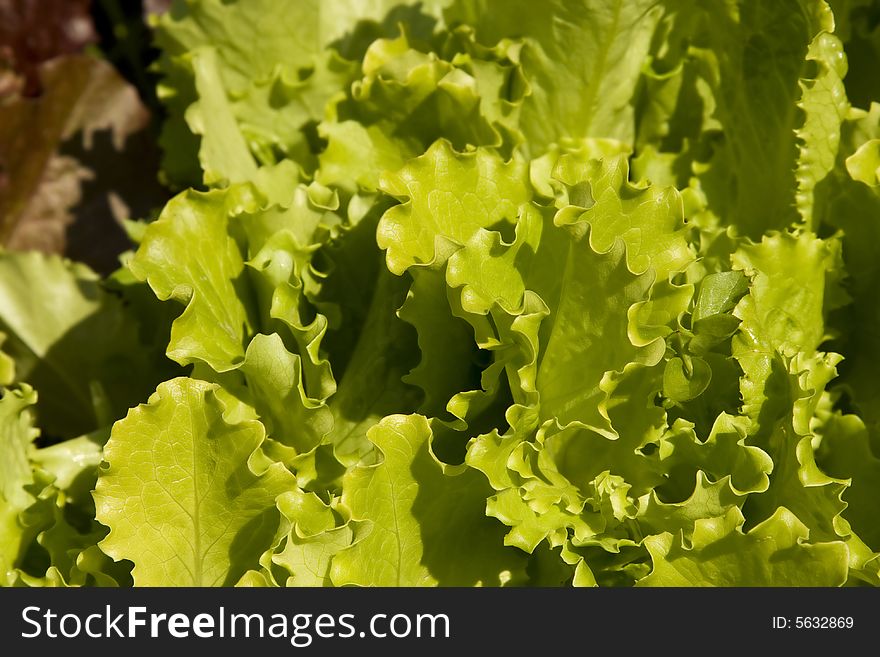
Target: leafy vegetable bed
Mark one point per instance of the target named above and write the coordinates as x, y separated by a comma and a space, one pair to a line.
471, 292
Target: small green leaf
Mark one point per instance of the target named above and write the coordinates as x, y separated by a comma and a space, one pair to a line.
864, 164
686, 379
719, 293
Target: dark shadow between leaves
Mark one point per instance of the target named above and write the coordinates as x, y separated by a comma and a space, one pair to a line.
420, 27
462, 546
253, 539
124, 185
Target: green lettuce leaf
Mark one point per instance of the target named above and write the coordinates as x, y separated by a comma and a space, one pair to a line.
582, 60
450, 196
469, 292
74, 341
185, 506
17, 434
721, 554
429, 524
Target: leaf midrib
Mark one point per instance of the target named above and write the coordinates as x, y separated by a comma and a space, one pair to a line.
197, 501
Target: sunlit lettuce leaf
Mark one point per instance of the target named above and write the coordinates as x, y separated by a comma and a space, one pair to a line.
781, 315
450, 196
648, 219
178, 492
357, 154
620, 257
275, 380
825, 105
277, 65
723, 453
237, 69
216, 319
721, 554
864, 164
317, 533
16, 433
223, 156
708, 500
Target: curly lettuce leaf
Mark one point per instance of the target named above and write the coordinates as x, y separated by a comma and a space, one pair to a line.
179, 494
613, 253
213, 325
449, 196
582, 60
721, 554
429, 523
17, 434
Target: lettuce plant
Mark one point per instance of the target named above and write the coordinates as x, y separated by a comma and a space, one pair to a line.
471, 292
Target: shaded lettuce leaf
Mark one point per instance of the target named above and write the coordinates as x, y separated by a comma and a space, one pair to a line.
851, 206
74, 341
429, 522
858, 25
846, 453
49, 535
